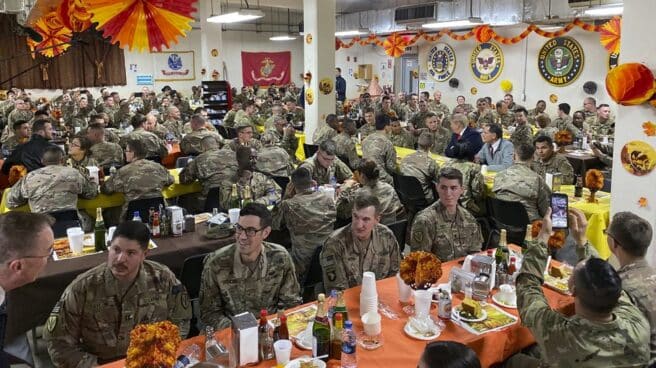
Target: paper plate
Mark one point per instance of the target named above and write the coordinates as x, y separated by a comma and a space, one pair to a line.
296, 363
419, 336
455, 313
500, 303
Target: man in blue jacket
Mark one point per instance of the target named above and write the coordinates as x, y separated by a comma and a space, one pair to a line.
497, 153
464, 139
340, 85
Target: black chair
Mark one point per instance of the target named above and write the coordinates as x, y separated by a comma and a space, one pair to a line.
142, 206
399, 229
313, 278
310, 149
342, 222
232, 132
411, 193
64, 220
213, 200
282, 182
511, 216
182, 161
192, 270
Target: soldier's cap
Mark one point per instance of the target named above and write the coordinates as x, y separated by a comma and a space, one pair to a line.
242, 123
165, 88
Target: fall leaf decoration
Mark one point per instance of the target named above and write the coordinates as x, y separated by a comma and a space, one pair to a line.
395, 45
649, 128
153, 345
642, 202
563, 137
420, 269
556, 240
630, 84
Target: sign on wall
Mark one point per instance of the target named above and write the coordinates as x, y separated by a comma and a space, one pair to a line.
486, 62
266, 68
560, 61
145, 80
441, 61
174, 65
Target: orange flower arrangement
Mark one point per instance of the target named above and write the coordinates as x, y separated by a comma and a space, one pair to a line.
594, 180
153, 345
420, 269
563, 138
556, 240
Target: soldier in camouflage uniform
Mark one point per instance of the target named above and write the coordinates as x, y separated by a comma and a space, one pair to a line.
437, 106
105, 153
482, 116
22, 132
298, 115
309, 216
51, 188
152, 125
378, 148
564, 121
549, 161
590, 110
244, 138
503, 115
519, 183
539, 109
473, 183
21, 112
173, 122
229, 118
510, 102
411, 107
324, 165
617, 337
273, 160
445, 228
345, 144
247, 116
417, 121
328, 130
370, 124
155, 147
399, 136
441, 135
422, 166
361, 246
81, 114
248, 275
523, 134
603, 125
213, 168
282, 135
190, 144
466, 107
140, 178
629, 237
276, 111
91, 323
546, 128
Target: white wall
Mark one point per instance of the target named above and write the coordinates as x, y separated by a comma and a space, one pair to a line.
383, 66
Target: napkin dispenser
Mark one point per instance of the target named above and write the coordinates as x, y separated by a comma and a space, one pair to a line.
481, 264
244, 340
481, 287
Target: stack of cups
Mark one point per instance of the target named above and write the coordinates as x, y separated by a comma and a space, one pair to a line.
423, 300
368, 294
75, 239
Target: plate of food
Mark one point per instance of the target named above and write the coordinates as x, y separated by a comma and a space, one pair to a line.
469, 311
505, 301
306, 362
421, 329
304, 340
558, 278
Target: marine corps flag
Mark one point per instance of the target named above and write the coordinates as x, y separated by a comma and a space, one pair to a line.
265, 68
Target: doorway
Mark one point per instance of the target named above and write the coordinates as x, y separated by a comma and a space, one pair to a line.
410, 80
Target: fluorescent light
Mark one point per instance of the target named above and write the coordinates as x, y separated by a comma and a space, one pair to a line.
353, 32
243, 15
460, 23
604, 11
286, 37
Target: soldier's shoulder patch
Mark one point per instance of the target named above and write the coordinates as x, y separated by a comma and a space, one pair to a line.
177, 289
331, 275
51, 323
417, 235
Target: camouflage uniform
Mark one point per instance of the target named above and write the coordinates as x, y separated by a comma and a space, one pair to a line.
590, 117
323, 133
209, 126
243, 119
505, 120
439, 107
403, 139
93, 319
478, 120
420, 165
566, 124
138, 180
161, 131
344, 258
12, 142
214, 168
410, 112
346, 149
575, 341
273, 160
467, 107
549, 131
473, 183
155, 147
253, 143
418, 120
229, 287
260, 186
81, 165
391, 209
555, 164
14, 116
322, 176
107, 153
190, 144
366, 130
287, 142
441, 138
112, 135
175, 127
310, 217
50, 189
229, 118
519, 183
378, 148
522, 134
433, 230
602, 128
532, 116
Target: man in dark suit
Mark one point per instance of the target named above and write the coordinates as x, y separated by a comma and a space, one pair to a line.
340, 85
464, 139
29, 154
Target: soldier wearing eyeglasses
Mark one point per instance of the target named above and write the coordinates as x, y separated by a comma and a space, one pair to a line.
248, 275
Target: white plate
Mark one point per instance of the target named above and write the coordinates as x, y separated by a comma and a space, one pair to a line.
498, 302
414, 334
296, 363
456, 315
303, 341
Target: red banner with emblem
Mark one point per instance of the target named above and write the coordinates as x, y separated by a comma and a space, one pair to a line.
266, 68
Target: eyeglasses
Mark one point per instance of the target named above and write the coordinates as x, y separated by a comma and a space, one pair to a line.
50, 253
250, 232
607, 233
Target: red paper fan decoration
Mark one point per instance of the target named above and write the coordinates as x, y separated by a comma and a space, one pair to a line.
609, 35
56, 36
74, 15
395, 45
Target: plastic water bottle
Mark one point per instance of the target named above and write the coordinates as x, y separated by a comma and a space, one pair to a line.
136, 216
188, 357
272, 197
333, 181
349, 345
330, 303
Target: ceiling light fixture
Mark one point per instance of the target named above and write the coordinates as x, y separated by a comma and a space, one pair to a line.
353, 32
460, 23
243, 15
605, 11
284, 37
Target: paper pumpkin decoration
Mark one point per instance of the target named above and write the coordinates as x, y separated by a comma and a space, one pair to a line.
609, 35
326, 85
454, 82
309, 96
553, 98
473, 91
643, 202
649, 128
638, 158
395, 45
56, 37
590, 87
74, 15
630, 84
142, 24
506, 85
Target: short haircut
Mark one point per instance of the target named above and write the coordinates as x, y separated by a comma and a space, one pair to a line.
349, 124
197, 120
461, 118
500, 103
301, 178
137, 121
429, 115
369, 169
382, 120
328, 147
137, 148
524, 151
107, 97
52, 155
488, 99
425, 94
369, 110
632, 233
602, 105
95, 117
198, 110
364, 199
96, 126
249, 103
543, 119
85, 143
133, 230
425, 140
338, 69
508, 95
592, 99
17, 124
449, 354
241, 128
564, 107
386, 98
259, 210
496, 129
18, 231
543, 139
598, 286
331, 119
39, 125
209, 142
450, 173
521, 109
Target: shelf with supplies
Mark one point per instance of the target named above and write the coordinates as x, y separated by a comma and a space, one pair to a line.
217, 96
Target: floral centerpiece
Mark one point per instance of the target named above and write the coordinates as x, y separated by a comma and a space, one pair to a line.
556, 240
563, 138
420, 269
594, 180
153, 345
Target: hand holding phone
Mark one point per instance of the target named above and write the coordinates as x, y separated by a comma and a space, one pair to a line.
559, 208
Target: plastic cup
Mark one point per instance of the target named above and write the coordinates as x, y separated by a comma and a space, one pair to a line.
423, 302
110, 233
75, 239
368, 304
329, 192
369, 284
371, 323
283, 350
405, 291
484, 169
233, 213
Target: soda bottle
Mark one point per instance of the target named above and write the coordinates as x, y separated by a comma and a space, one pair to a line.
336, 338
99, 232
155, 226
321, 331
340, 306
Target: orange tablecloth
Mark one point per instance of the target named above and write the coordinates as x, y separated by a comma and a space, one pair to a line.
169, 160
400, 350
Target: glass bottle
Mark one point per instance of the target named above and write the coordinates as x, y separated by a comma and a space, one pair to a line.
528, 238
99, 232
215, 352
164, 223
234, 197
155, 228
321, 331
264, 337
340, 306
336, 337
246, 197
578, 187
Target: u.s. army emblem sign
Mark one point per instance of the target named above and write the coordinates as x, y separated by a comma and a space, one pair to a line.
560, 61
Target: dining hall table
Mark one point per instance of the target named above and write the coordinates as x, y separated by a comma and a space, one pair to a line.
399, 350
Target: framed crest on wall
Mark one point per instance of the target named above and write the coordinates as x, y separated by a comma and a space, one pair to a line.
174, 65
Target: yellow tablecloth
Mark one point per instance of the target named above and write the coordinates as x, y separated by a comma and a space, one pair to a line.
116, 199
